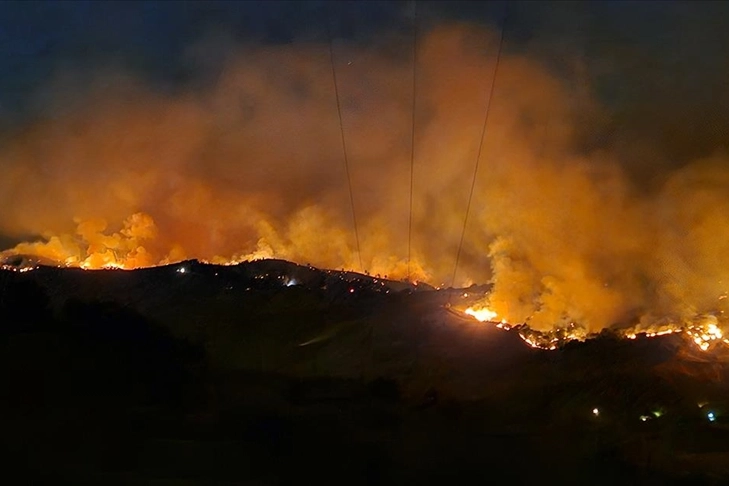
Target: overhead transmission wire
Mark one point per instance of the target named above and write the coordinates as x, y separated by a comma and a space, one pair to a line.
412, 132
480, 147
341, 131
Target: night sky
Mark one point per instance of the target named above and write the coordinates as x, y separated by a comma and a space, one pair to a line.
659, 67
646, 59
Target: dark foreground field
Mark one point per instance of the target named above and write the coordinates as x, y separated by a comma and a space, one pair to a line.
268, 373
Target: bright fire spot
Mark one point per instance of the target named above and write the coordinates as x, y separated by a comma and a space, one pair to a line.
705, 333
483, 314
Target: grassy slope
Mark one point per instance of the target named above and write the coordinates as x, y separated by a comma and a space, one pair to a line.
240, 398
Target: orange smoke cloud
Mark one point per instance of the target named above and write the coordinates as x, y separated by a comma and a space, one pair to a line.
253, 168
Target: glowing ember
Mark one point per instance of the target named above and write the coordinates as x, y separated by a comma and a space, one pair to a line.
705, 332
17, 269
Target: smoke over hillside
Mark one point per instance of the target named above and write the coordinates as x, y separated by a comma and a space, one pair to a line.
122, 175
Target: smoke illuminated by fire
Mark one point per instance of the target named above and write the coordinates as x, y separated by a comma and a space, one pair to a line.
125, 177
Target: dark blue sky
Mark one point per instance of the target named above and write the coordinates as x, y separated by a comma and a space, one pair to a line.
646, 59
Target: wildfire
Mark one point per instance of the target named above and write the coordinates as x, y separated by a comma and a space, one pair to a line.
95, 248
139, 243
704, 332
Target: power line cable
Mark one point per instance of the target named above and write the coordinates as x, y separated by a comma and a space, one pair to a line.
412, 132
480, 147
344, 144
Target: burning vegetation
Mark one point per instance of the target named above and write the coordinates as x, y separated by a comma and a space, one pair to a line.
250, 167
704, 331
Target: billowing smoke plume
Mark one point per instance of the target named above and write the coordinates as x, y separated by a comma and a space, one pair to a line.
253, 167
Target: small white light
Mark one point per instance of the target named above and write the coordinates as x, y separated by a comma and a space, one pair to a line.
595, 412
181, 270
711, 416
